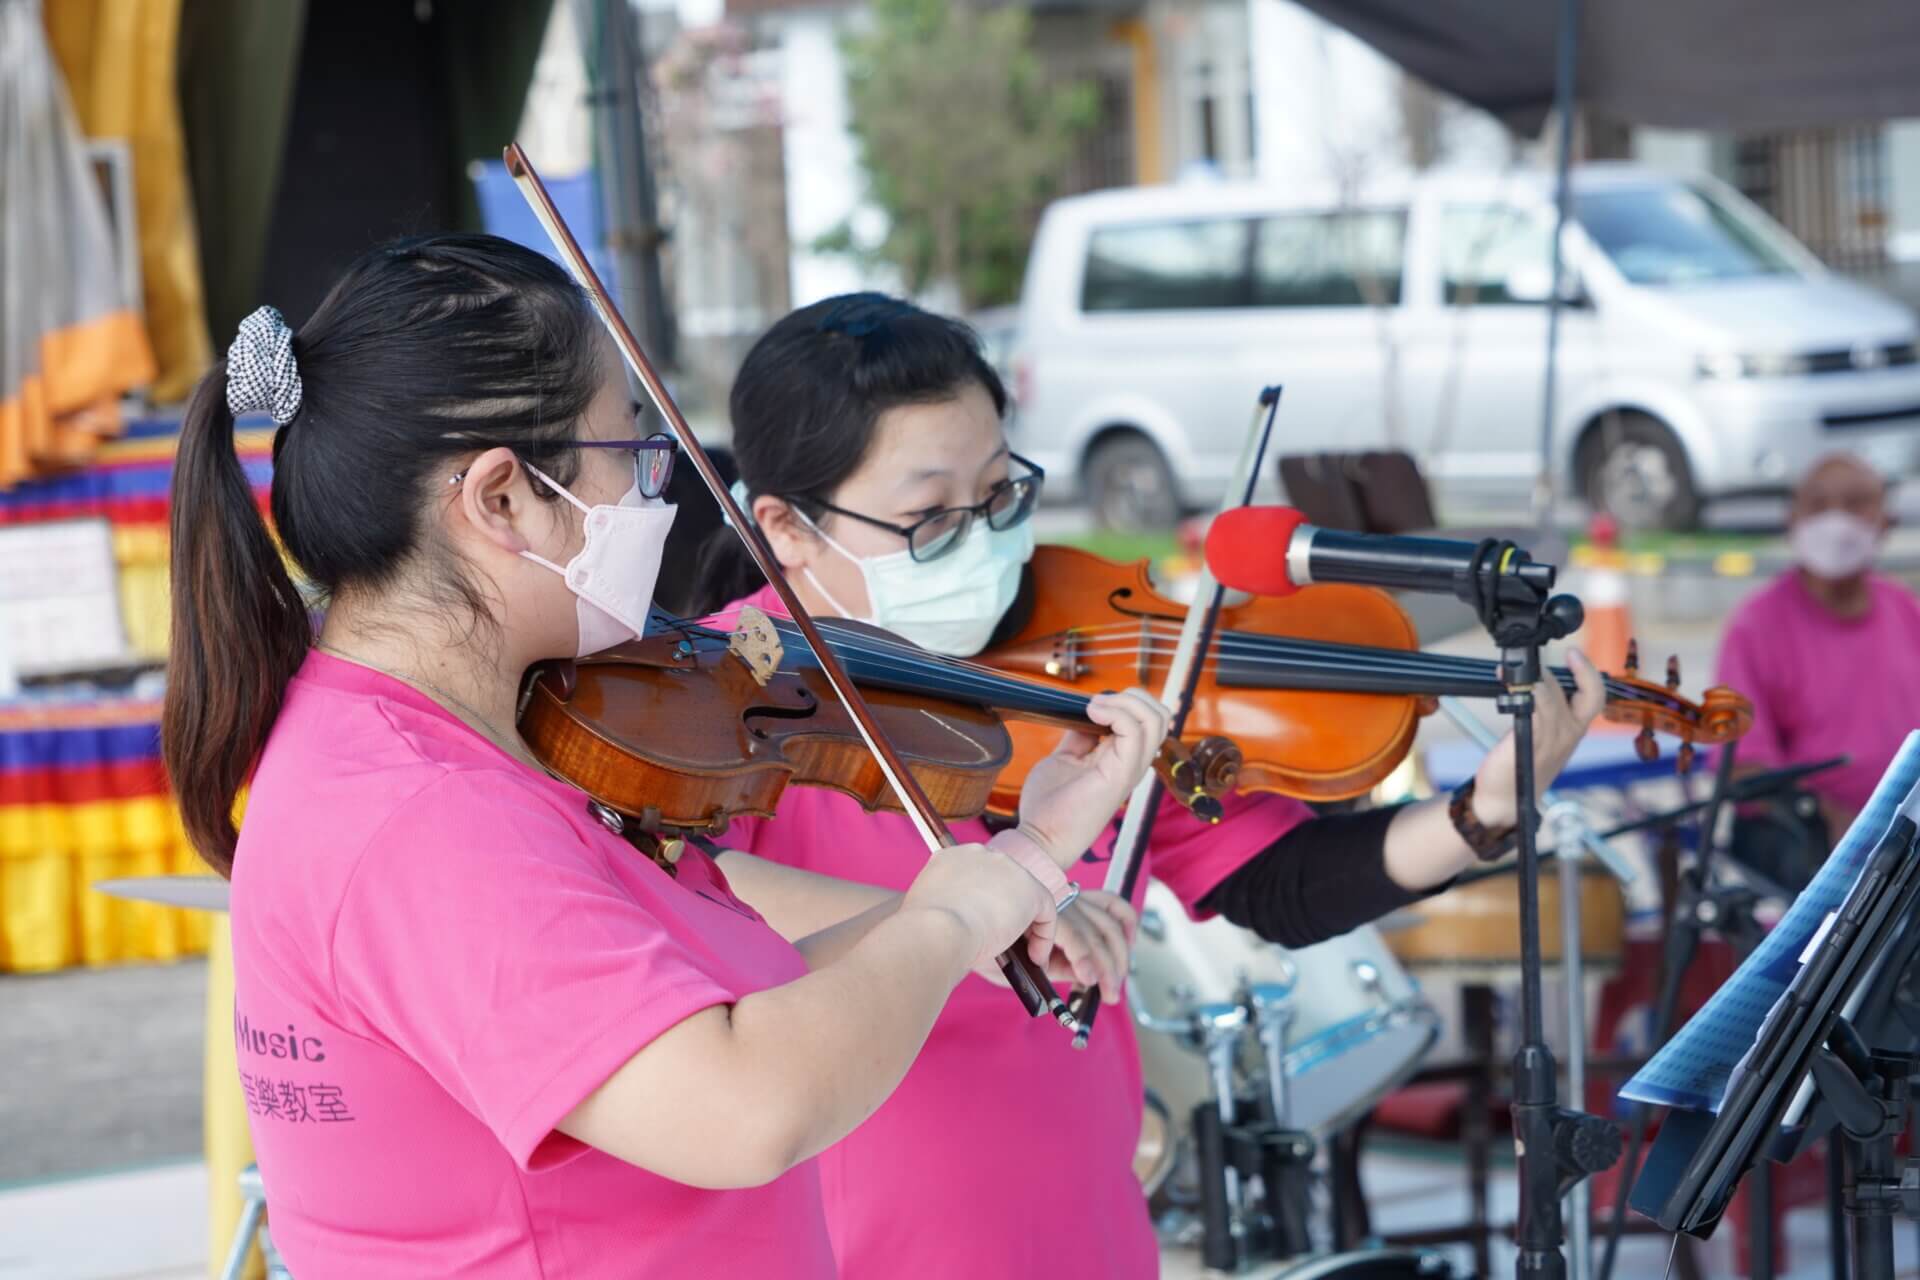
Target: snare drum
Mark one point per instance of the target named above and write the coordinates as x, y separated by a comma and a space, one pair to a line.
1359, 1028
1475, 929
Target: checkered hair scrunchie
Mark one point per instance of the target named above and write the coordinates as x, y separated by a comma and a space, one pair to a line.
261, 374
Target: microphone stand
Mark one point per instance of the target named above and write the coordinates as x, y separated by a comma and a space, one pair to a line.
1558, 1147
1574, 840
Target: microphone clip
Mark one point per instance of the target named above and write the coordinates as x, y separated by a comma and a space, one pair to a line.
1512, 596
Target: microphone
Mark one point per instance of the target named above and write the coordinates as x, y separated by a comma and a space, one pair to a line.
1273, 551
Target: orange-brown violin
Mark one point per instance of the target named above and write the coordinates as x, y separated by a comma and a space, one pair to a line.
1321, 691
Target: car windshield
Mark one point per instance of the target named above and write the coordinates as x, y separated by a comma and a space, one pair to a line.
1676, 235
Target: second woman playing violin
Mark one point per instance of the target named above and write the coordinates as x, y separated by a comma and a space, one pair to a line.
871, 450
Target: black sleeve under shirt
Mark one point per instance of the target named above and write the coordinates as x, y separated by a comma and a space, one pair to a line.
1326, 876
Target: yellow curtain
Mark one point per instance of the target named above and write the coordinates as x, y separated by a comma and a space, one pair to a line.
118, 59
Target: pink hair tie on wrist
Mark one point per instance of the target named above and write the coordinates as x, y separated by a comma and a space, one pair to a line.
1025, 851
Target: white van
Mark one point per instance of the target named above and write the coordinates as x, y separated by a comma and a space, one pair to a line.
1705, 352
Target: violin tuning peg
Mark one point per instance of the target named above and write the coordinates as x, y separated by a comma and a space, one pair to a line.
1644, 745
1683, 763
1673, 672
1633, 657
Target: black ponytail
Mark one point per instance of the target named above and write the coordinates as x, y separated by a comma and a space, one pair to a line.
426, 352
240, 627
807, 398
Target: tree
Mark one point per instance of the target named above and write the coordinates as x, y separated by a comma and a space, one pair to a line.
962, 138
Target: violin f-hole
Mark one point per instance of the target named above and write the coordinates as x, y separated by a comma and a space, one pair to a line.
805, 707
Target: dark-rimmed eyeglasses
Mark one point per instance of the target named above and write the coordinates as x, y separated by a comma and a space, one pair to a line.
652, 460
933, 535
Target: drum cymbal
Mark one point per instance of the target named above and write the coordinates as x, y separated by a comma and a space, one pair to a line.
199, 893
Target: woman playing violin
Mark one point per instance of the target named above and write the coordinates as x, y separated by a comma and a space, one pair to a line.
870, 445
480, 1034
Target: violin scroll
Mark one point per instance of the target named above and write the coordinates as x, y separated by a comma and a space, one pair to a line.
1721, 715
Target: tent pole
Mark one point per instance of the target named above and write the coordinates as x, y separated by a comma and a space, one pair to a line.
1563, 106
633, 231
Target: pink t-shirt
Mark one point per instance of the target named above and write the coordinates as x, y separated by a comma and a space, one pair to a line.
1826, 686
438, 953
1004, 1152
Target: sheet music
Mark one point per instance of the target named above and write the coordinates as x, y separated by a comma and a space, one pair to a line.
1691, 1070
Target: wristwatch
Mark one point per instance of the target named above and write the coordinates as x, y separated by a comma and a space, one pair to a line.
1487, 845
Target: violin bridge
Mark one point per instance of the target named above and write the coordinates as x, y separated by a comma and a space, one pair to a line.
757, 644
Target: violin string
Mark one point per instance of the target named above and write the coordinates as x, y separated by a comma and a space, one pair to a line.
1271, 653
989, 684
1126, 636
1245, 645
986, 684
1165, 629
1421, 664
1161, 629
1415, 667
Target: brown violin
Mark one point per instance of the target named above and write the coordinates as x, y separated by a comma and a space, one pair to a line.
692, 725
1321, 691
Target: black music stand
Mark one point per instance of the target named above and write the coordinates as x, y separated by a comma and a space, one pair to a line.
1862, 959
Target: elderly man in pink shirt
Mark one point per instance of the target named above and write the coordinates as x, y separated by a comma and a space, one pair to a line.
1829, 651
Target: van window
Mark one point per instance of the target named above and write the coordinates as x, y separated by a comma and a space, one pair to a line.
1161, 266
1676, 235
1346, 259
1481, 245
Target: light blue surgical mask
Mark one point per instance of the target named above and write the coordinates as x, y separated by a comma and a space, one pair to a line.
950, 605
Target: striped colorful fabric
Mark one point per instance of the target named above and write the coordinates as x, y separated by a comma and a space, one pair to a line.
83, 795
127, 481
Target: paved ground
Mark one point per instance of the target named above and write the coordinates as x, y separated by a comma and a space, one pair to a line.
102, 1069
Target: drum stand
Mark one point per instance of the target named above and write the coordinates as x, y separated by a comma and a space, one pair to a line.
1233, 1154
1558, 1147
1574, 840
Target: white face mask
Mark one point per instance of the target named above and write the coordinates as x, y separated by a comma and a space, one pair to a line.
613, 574
1834, 544
950, 605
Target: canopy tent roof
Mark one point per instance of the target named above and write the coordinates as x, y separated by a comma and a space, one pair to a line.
1748, 65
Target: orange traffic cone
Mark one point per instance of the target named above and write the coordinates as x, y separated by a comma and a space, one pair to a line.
1608, 629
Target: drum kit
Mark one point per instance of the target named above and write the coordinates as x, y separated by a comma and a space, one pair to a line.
1250, 1045
1296, 1044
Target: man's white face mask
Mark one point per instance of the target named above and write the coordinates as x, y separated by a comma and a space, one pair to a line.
1834, 545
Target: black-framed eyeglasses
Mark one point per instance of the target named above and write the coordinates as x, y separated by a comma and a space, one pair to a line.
652, 460
933, 535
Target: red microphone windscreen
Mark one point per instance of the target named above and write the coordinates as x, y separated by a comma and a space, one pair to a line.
1247, 549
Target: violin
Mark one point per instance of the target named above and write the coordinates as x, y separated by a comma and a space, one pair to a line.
1322, 691
692, 725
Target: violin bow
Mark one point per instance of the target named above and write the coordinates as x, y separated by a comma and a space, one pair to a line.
1183, 677
1028, 979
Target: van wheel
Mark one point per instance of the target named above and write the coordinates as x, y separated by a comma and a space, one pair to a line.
1130, 486
1634, 469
